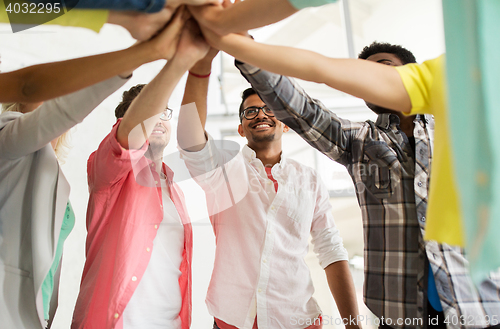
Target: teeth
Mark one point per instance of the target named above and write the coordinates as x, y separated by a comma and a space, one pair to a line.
262, 126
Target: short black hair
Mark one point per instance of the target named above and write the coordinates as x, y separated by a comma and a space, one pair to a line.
402, 53
127, 98
244, 95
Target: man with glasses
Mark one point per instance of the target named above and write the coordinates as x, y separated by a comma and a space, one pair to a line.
260, 278
139, 244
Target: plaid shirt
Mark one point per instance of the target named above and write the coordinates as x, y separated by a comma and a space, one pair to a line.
392, 183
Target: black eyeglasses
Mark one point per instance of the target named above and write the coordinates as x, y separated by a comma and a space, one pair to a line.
253, 111
166, 115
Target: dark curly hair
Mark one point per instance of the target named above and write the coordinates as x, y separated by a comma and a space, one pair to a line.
402, 53
127, 98
244, 95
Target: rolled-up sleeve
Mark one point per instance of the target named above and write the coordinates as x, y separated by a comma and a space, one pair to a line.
111, 162
328, 244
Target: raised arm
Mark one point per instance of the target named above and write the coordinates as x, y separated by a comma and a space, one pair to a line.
307, 116
193, 114
46, 81
153, 99
243, 15
373, 82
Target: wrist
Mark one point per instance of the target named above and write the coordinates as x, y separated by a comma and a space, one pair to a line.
201, 69
182, 62
173, 3
200, 76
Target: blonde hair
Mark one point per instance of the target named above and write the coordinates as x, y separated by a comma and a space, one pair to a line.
62, 145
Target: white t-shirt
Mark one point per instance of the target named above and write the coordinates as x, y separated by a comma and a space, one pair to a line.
157, 300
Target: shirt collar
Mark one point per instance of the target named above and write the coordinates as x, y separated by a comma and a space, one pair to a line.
250, 155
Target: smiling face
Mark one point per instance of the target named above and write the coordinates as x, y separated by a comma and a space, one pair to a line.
160, 136
262, 128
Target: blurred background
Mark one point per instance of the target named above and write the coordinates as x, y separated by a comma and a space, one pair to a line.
337, 30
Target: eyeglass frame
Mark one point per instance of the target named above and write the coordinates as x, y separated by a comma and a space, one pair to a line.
261, 108
168, 113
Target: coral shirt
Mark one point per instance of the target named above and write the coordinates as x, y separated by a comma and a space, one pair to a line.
123, 216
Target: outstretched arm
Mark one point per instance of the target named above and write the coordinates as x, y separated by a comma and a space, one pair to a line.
153, 99
243, 15
373, 82
46, 81
193, 115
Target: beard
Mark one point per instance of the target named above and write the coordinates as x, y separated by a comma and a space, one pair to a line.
266, 138
156, 147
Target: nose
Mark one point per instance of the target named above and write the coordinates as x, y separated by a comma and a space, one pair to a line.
261, 114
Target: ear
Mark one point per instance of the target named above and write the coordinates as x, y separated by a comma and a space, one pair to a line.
285, 128
240, 130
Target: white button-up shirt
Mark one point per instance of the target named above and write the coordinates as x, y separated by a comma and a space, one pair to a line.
262, 237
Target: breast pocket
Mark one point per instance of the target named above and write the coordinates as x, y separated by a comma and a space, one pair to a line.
377, 169
300, 203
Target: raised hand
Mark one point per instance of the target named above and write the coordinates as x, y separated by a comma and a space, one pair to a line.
141, 26
165, 43
192, 45
176, 3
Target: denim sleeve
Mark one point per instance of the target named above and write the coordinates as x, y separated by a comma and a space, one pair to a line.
147, 6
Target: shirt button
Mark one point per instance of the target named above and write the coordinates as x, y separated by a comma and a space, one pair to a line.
264, 260
423, 218
419, 184
117, 315
147, 249
156, 227
134, 278
156, 182
272, 208
152, 165
260, 290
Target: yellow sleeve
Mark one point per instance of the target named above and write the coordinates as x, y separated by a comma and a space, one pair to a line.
425, 85
90, 19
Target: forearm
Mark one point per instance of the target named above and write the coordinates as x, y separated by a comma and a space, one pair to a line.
193, 115
36, 129
247, 15
47, 81
149, 105
343, 290
375, 83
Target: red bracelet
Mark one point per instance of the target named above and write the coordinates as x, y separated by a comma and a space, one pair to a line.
199, 75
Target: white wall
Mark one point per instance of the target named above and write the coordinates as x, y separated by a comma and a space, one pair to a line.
415, 24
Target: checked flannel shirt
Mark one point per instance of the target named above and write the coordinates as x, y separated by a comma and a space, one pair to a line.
392, 191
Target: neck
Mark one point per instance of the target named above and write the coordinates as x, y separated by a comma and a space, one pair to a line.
268, 153
406, 124
156, 158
